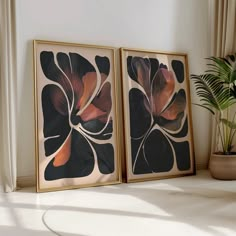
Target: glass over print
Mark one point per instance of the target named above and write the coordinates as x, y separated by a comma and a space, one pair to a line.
157, 115
76, 123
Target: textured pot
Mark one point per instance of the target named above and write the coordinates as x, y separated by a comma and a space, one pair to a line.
223, 166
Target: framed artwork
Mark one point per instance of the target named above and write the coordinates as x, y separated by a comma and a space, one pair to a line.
157, 116
75, 116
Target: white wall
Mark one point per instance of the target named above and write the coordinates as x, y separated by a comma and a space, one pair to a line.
170, 25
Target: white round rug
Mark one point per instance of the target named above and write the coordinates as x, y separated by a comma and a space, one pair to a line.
145, 209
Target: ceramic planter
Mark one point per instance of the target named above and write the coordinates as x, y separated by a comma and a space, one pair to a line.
223, 167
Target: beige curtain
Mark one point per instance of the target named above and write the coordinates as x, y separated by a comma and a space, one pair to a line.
8, 95
222, 27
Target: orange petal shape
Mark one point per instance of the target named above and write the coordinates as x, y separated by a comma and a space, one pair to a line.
175, 108
64, 154
91, 113
162, 89
103, 99
89, 85
143, 72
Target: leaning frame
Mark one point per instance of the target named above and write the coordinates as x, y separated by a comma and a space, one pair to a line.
76, 133
157, 115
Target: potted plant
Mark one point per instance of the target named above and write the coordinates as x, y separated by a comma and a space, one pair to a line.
216, 89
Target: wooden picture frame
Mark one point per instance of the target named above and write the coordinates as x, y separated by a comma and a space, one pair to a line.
76, 133
157, 115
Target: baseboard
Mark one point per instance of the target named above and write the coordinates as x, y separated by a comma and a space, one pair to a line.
30, 181
26, 181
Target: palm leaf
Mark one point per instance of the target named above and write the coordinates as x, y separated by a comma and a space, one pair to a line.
233, 73
225, 68
230, 124
212, 92
220, 68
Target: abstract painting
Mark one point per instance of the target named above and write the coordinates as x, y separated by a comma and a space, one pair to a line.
157, 116
75, 116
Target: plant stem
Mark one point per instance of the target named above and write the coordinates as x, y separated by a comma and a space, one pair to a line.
220, 132
232, 131
227, 132
224, 134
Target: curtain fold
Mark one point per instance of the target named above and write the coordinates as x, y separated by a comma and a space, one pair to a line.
8, 145
222, 27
